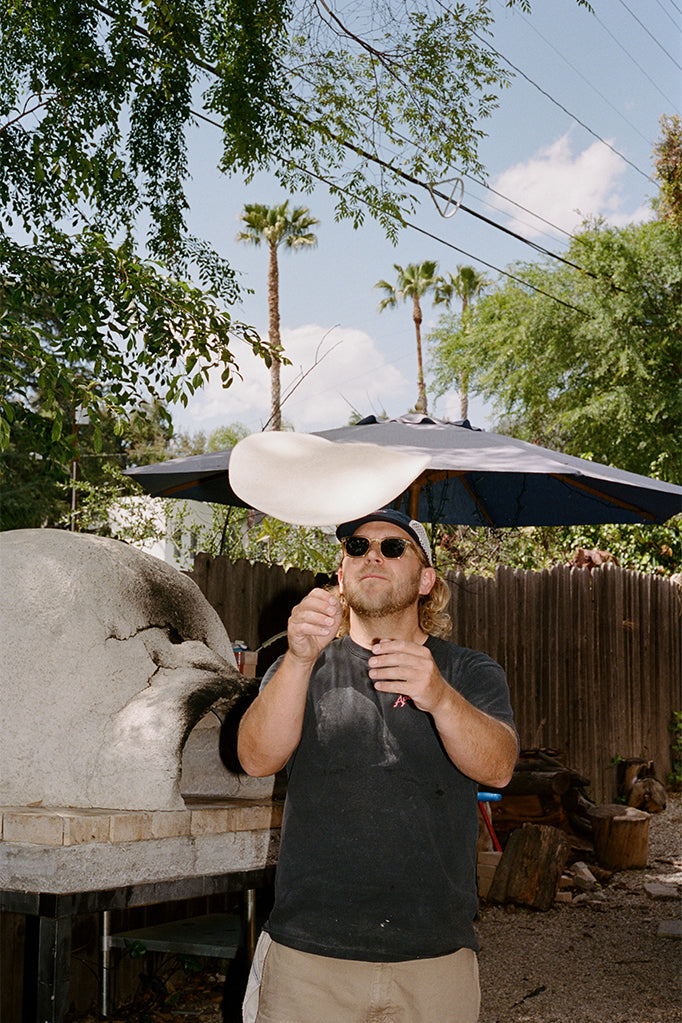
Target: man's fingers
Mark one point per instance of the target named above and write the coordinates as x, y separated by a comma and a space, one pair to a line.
317, 603
314, 625
315, 620
381, 665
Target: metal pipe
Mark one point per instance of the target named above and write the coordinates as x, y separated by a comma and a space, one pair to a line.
250, 922
104, 962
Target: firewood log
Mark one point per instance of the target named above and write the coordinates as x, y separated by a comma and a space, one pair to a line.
531, 865
621, 836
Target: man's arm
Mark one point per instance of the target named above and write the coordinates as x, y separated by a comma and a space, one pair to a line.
270, 730
482, 747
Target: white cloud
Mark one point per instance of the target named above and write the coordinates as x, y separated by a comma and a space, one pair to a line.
565, 188
642, 213
352, 374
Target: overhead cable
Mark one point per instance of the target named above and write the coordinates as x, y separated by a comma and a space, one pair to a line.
430, 187
429, 234
529, 23
456, 248
478, 181
651, 35
483, 184
518, 205
668, 14
556, 103
633, 59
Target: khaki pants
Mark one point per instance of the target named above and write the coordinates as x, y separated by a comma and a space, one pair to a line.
287, 986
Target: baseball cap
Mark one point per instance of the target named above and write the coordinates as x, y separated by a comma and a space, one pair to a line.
396, 518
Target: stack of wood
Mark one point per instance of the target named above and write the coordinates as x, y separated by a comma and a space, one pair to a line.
543, 791
543, 818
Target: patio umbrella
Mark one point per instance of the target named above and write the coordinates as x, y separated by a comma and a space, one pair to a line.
473, 477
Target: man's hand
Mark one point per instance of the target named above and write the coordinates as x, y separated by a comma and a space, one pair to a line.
482, 747
271, 728
313, 624
397, 666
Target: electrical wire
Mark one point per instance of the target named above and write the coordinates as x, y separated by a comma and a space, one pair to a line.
212, 70
556, 103
483, 184
432, 190
596, 135
519, 206
651, 35
668, 14
529, 23
463, 252
429, 234
633, 59
368, 156
537, 216
400, 173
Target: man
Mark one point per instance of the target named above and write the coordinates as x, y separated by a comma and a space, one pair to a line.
386, 733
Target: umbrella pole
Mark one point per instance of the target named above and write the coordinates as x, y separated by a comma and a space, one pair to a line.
414, 500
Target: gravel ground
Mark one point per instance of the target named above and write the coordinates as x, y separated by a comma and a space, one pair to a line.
601, 960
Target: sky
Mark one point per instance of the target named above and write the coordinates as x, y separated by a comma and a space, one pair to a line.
572, 138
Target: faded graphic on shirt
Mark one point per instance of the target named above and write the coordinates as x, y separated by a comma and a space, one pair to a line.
351, 730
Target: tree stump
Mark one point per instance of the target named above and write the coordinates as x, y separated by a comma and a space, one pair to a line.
531, 865
621, 836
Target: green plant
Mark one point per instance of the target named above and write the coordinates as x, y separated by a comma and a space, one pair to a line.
675, 775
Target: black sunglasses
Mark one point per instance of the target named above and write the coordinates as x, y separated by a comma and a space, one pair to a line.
390, 546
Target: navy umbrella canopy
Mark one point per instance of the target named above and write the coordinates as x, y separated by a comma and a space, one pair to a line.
473, 478
195, 478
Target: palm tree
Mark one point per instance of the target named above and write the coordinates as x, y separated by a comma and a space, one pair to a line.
278, 225
414, 281
466, 284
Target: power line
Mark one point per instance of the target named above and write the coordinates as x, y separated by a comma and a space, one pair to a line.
365, 155
562, 107
519, 206
491, 266
667, 14
489, 188
433, 191
651, 35
375, 159
633, 59
435, 237
485, 185
395, 170
463, 252
529, 23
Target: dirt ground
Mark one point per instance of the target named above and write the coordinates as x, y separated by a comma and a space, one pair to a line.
603, 959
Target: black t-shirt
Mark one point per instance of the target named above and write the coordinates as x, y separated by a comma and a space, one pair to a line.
378, 853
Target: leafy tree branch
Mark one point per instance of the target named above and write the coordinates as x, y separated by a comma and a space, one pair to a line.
75, 309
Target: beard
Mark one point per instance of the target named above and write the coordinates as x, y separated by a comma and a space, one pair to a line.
388, 601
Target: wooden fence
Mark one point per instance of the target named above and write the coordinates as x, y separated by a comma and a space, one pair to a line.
593, 659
